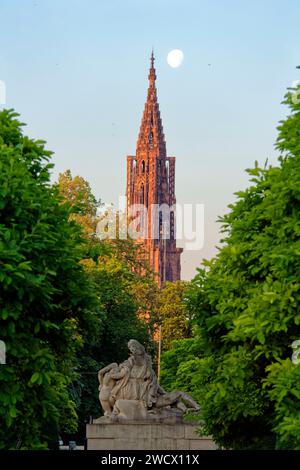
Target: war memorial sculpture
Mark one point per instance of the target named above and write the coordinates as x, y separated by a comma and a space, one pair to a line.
131, 391
138, 413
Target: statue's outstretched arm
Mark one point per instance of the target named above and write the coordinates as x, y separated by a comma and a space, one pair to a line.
189, 401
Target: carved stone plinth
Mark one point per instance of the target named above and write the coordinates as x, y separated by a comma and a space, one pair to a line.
139, 435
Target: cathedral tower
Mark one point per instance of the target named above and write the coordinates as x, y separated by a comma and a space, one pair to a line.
151, 184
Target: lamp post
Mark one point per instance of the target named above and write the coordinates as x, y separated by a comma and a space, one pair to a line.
159, 354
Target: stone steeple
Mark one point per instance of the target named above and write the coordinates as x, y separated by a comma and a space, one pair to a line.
151, 185
151, 138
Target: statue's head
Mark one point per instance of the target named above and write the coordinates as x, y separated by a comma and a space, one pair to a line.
136, 348
115, 369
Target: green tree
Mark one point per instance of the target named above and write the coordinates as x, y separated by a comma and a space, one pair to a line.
47, 302
246, 304
125, 288
77, 192
172, 314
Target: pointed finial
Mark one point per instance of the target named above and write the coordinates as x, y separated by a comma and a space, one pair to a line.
152, 58
152, 75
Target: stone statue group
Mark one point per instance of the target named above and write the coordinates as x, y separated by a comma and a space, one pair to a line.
130, 390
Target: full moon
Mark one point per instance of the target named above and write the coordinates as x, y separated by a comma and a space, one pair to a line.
175, 58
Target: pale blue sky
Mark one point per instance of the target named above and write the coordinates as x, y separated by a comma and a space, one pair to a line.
76, 71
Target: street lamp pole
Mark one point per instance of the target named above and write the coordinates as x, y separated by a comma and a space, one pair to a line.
159, 354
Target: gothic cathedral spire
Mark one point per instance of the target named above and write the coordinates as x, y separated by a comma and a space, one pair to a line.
151, 140
151, 184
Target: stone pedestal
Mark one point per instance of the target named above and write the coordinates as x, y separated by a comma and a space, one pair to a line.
146, 436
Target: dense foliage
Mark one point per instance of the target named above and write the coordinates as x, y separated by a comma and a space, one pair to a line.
246, 302
47, 303
172, 314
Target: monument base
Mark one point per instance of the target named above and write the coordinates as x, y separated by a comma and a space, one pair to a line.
139, 435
